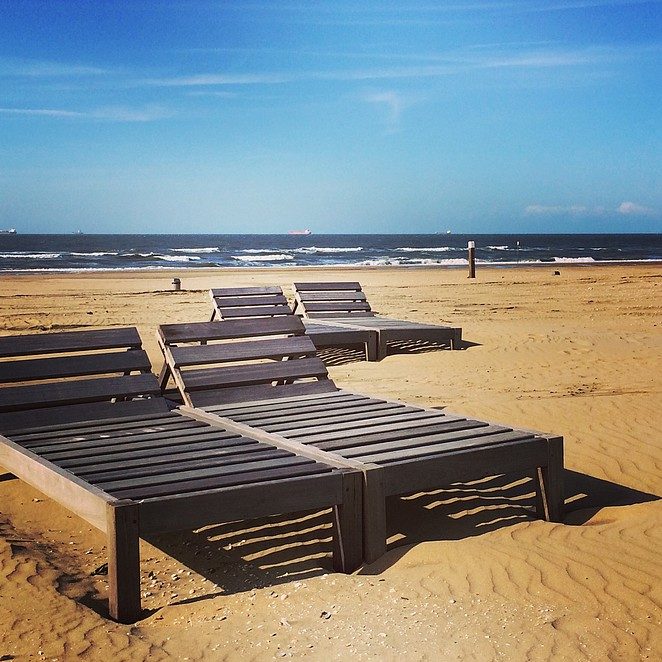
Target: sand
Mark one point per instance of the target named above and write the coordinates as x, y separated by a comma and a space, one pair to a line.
470, 574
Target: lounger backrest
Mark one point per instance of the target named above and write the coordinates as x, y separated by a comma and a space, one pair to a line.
316, 300
51, 378
240, 360
238, 302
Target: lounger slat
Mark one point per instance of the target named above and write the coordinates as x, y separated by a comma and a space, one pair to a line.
245, 291
257, 311
71, 415
182, 475
74, 366
248, 375
403, 454
249, 478
336, 295
69, 341
328, 420
238, 302
76, 392
206, 331
133, 436
312, 287
170, 462
336, 306
272, 348
147, 454
263, 392
120, 445
412, 435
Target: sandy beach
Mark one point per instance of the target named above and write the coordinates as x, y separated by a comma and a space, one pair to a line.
470, 573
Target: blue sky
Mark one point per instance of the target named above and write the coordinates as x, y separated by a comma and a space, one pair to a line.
475, 116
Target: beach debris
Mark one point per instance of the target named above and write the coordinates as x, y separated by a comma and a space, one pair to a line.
326, 615
101, 570
557, 273
176, 284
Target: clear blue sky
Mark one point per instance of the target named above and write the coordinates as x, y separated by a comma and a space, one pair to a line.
474, 115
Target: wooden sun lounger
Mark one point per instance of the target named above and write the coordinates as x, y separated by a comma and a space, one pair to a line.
131, 467
400, 448
269, 301
346, 304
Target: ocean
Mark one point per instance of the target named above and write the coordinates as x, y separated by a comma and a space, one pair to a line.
96, 252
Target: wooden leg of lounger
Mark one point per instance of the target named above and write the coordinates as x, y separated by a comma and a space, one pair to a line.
371, 353
348, 525
374, 515
456, 341
123, 522
550, 483
382, 347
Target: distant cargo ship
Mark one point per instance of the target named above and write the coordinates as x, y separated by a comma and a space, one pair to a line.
8, 231
304, 232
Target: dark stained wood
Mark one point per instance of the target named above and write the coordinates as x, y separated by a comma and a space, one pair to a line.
334, 306
550, 481
313, 287
71, 366
69, 341
75, 392
124, 561
236, 302
229, 329
257, 311
73, 414
271, 348
348, 524
260, 392
374, 514
336, 295
245, 291
246, 375
248, 478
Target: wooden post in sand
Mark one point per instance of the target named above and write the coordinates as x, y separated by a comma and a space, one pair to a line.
471, 246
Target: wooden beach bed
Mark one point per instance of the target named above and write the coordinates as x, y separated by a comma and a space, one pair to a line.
88, 428
262, 374
345, 304
236, 302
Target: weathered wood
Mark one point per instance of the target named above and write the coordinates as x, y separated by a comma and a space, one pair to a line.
262, 392
246, 375
348, 524
245, 291
271, 348
550, 482
76, 392
68, 415
123, 527
335, 306
70, 366
312, 287
374, 515
229, 329
336, 295
260, 300
188, 511
257, 311
69, 341
76, 495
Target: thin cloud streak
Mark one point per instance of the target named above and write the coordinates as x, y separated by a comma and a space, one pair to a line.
108, 114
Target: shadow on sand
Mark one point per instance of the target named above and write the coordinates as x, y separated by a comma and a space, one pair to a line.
241, 556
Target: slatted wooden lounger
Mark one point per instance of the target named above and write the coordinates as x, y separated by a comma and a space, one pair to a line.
264, 377
131, 467
346, 304
235, 302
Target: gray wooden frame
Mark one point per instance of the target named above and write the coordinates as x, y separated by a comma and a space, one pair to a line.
264, 301
399, 448
133, 467
345, 304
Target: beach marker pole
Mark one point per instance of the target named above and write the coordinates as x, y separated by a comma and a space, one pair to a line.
177, 284
471, 246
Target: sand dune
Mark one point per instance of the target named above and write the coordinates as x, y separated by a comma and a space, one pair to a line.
470, 574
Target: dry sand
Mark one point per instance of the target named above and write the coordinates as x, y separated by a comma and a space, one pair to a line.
470, 574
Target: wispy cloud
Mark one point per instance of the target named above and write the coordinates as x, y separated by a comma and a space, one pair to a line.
107, 114
394, 103
625, 209
634, 209
43, 69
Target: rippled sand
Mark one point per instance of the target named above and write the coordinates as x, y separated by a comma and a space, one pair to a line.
470, 574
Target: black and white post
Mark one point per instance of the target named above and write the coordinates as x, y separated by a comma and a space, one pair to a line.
471, 246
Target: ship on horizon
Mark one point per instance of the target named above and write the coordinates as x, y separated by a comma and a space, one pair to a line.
8, 231
303, 232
